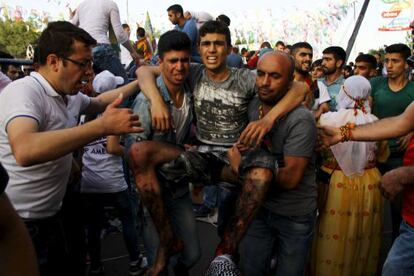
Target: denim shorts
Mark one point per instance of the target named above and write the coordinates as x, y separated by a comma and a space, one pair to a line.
258, 158
204, 164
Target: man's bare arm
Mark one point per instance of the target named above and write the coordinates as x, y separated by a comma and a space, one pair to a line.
160, 115
395, 181
387, 128
99, 103
291, 174
30, 147
323, 108
113, 146
17, 255
255, 131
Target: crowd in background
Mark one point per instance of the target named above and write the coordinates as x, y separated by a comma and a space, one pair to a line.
157, 122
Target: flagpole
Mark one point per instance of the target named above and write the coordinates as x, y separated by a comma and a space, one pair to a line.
127, 10
356, 29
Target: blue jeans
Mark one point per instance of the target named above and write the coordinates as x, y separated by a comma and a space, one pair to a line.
289, 236
400, 259
94, 204
210, 198
104, 58
228, 195
180, 211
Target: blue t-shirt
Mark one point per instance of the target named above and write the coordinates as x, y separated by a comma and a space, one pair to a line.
190, 28
333, 90
234, 60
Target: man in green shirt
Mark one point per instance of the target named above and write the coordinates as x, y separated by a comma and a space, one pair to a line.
391, 95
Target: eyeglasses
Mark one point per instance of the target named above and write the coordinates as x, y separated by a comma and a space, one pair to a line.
82, 64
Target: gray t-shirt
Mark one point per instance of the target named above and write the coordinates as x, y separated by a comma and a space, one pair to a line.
293, 135
221, 108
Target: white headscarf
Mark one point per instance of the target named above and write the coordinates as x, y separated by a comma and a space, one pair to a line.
352, 157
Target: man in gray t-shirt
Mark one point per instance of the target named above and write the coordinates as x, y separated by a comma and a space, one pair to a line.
221, 107
286, 219
221, 98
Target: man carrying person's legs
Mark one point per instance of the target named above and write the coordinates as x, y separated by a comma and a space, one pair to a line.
221, 96
286, 219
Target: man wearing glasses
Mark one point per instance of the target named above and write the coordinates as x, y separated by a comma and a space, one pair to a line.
38, 133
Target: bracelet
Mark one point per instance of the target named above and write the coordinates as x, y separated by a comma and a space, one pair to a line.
346, 131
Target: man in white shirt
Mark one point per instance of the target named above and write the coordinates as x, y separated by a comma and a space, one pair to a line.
97, 17
38, 133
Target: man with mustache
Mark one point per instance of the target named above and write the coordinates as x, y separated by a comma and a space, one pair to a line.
302, 54
333, 60
390, 97
38, 133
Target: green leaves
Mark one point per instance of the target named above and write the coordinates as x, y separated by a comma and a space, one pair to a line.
15, 36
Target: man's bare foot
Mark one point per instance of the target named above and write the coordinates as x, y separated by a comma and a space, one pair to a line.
151, 272
164, 254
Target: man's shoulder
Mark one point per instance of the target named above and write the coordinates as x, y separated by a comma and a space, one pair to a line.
300, 115
243, 74
410, 85
378, 85
190, 23
139, 101
24, 87
377, 80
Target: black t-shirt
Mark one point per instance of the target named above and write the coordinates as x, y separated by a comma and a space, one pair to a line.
4, 178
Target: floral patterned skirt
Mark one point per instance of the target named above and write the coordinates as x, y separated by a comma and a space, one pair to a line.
348, 235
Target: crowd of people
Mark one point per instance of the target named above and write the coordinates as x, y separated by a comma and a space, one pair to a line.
99, 120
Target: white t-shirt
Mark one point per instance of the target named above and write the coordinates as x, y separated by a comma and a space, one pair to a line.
101, 172
179, 117
323, 93
37, 191
125, 56
94, 17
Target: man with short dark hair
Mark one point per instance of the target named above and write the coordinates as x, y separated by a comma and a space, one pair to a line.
188, 26
390, 97
124, 55
225, 19
10, 70
302, 54
333, 60
38, 133
221, 95
280, 46
366, 66
174, 50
